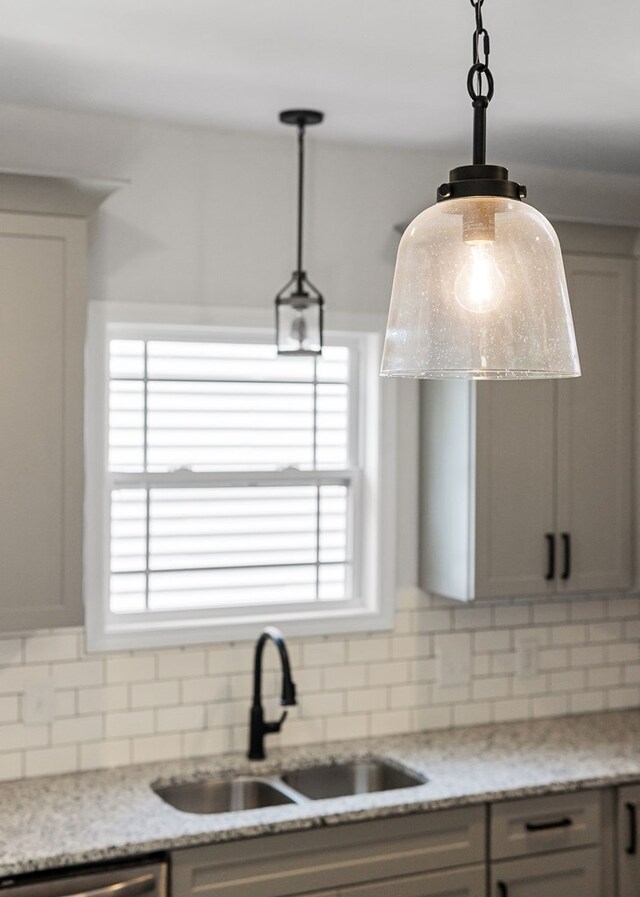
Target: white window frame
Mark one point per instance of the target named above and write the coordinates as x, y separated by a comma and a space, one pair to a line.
370, 608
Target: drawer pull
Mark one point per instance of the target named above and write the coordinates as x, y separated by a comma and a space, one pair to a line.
565, 822
632, 845
503, 890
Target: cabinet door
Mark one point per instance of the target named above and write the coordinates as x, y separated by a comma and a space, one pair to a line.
571, 873
465, 882
41, 401
595, 431
515, 487
628, 848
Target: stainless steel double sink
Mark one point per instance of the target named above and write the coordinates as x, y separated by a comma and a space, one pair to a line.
226, 795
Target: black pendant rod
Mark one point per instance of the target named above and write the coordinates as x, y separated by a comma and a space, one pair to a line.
300, 269
301, 118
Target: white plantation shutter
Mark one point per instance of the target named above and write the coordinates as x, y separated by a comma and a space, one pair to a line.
232, 475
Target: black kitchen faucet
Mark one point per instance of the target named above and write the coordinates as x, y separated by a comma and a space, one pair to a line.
258, 727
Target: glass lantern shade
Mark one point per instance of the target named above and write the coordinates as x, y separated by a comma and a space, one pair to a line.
299, 324
480, 293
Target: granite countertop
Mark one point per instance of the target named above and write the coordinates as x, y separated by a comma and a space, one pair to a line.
58, 821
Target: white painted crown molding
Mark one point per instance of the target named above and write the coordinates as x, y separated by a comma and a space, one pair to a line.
54, 194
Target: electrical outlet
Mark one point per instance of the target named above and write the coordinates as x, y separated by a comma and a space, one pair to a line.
38, 703
454, 659
527, 658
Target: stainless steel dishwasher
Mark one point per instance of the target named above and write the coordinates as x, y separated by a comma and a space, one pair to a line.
142, 879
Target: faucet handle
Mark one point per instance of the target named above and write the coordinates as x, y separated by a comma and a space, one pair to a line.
275, 727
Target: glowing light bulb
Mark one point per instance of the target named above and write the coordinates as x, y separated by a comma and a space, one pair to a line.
299, 329
480, 286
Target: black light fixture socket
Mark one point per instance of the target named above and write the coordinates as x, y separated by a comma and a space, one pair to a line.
480, 180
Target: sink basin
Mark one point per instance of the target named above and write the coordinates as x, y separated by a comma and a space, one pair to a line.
222, 795
358, 777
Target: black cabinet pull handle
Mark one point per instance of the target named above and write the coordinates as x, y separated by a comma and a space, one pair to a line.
565, 822
503, 890
633, 839
566, 541
551, 556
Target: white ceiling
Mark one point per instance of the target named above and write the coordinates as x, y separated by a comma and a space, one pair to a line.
384, 71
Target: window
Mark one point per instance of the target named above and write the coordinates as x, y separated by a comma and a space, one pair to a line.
229, 487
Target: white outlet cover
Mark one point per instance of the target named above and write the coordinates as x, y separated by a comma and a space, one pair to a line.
453, 653
38, 703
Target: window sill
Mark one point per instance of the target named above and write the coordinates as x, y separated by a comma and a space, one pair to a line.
129, 635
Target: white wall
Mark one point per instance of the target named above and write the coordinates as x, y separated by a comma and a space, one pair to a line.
208, 217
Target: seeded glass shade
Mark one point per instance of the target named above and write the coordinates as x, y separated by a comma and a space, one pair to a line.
480, 293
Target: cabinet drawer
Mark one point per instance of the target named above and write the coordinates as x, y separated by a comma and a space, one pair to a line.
331, 857
540, 824
571, 873
467, 882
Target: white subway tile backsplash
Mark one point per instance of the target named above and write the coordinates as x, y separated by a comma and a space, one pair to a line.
152, 705
51, 761
205, 689
326, 703
392, 673
11, 765
129, 722
386, 722
323, 653
548, 612
9, 708
491, 640
180, 664
155, 694
77, 729
105, 754
11, 651
603, 677
77, 673
202, 743
156, 747
121, 668
347, 727
550, 705
60, 646
472, 714
180, 719
346, 677
366, 700
511, 710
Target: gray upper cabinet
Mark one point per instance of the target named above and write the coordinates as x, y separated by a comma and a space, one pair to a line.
42, 260
595, 414
526, 486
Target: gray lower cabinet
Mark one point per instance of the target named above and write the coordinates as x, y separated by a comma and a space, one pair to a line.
567, 873
467, 882
548, 846
628, 844
411, 856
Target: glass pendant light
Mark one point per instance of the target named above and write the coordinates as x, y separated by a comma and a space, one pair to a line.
299, 305
479, 290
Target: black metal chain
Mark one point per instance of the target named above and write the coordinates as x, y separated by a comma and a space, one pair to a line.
480, 80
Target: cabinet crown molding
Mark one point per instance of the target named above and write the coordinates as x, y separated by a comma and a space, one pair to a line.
54, 194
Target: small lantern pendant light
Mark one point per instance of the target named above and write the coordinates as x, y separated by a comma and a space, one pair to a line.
479, 290
299, 305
